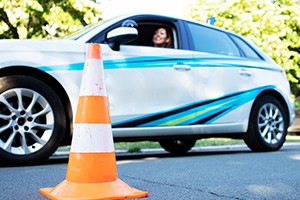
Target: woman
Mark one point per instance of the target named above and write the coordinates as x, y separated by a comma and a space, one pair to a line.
161, 38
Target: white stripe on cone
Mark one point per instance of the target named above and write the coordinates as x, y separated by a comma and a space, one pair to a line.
93, 82
92, 138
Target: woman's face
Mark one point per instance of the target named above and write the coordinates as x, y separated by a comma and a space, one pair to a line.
160, 37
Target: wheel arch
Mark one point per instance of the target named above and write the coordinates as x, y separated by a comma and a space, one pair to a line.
51, 82
276, 95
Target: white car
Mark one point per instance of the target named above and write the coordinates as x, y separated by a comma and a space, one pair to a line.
210, 83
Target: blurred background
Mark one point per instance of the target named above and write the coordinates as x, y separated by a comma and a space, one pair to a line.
273, 25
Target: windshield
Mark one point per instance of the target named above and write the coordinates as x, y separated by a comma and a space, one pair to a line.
77, 34
84, 32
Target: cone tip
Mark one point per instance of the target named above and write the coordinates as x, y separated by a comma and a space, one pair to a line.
93, 51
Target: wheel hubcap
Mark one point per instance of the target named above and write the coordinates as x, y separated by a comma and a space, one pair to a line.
26, 121
270, 123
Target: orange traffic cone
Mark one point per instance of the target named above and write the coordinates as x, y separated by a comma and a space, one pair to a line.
92, 169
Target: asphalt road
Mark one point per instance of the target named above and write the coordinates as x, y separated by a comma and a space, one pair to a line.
210, 173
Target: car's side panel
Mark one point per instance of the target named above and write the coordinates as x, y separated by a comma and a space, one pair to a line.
279, 80
145, 80
220, 76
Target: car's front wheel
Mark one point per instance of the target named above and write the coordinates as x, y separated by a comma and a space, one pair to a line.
267, 126
177, 146
32, 120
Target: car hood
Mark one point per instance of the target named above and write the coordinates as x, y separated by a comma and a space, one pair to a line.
57, 45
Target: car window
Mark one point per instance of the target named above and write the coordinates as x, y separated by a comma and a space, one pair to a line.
212, 41
146, 30
247, 50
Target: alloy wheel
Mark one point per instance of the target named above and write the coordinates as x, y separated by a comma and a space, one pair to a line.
26, 121
270, 123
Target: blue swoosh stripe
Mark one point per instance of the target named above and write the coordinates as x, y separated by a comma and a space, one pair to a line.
204, 109
207, 111
158, 61
68, 67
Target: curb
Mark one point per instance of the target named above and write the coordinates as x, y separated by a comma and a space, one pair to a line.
161, 150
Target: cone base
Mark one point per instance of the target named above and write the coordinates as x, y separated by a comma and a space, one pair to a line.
92, 191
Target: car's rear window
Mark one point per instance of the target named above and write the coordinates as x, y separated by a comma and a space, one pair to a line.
247, 50
212, 41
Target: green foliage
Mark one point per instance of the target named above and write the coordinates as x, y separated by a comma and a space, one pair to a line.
135, 149
21, 19
272, 25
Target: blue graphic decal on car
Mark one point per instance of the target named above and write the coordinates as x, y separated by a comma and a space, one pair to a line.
202, 112
68, 67
159, 61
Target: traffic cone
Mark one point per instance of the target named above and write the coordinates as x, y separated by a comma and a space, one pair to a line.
92, 169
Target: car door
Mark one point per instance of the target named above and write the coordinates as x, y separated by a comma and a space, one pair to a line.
224, 85
144, 83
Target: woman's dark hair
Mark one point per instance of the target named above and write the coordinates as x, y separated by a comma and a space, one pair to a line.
169, 35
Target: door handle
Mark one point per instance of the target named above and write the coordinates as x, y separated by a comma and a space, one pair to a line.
182, 67
245, 72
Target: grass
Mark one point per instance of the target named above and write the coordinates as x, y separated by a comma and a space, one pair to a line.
297, 103
293, 138
131, 146
217, 142
136, 147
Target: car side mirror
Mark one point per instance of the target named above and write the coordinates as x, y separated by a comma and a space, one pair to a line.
121, 35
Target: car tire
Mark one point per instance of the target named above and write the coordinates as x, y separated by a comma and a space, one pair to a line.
267, 125
177, 146
32, 120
